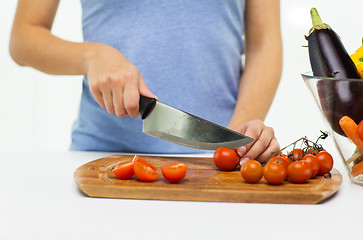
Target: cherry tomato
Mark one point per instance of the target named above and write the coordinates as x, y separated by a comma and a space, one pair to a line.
226, 159
296, 154
274, 173
314, 164
251, 171
124, 171
299, 172
144, 171
174, 172
312, 151
325, 162
360, 130
357, 169
280, 160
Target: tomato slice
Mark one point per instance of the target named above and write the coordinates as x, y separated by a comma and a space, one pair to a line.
144, 171
124, 171
174, 172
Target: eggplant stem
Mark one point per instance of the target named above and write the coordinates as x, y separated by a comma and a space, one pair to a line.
315, 18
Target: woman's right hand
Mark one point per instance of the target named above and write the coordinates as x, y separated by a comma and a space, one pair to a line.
115, 83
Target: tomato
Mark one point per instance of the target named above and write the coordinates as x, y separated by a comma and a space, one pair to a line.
314, 164
360, 130
296, 154
280, 160
174, 172
124, 171
251, 171
144, 171
299, 172
325, 162
357, 169
226, 159
274, 173
312, 151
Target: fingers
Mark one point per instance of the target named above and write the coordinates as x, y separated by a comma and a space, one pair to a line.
120, 93
263, 147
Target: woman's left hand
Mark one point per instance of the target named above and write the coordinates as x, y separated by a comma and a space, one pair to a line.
263, 147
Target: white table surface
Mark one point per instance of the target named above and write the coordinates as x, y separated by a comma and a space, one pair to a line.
40, 200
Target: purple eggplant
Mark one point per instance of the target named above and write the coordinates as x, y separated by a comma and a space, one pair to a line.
329, 59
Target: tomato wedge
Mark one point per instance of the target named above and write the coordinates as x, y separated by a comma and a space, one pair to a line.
144, 171
124, 171
174, 172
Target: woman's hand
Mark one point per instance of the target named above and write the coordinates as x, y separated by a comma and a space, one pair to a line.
263, 147
115, 83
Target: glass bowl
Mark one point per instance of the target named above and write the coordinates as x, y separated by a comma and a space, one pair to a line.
336, 98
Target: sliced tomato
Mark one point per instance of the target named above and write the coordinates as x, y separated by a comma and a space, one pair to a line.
174, 172
144, 171
124, 171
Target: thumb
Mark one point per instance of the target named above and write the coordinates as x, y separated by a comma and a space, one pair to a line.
144, 90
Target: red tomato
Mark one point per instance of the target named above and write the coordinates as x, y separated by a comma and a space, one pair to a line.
124, 171
312, 151
226, 159
274, 173
174, 172
144, 171
325, 162
299, 172
314, 164
296, 154
252, 171
360, 130
280, 160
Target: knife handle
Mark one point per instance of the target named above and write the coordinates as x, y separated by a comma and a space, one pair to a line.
146, 105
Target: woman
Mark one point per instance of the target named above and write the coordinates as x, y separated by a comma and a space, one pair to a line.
185, 53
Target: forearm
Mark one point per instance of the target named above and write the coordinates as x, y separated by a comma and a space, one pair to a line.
48, 53
258, 84
263, 67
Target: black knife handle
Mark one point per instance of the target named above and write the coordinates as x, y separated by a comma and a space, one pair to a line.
146, 105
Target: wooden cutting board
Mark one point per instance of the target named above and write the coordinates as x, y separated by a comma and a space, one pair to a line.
203, 182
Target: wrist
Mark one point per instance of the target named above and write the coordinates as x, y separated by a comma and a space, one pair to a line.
91, 51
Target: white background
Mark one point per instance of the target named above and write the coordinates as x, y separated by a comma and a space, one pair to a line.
37, 110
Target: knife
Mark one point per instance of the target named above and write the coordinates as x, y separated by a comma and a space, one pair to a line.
176, 126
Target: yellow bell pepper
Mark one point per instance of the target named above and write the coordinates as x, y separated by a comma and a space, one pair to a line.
357, 58
360, 68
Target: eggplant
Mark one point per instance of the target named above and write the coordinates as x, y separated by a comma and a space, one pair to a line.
329, 59
328, 56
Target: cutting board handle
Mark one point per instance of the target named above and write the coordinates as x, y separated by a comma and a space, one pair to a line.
146, 105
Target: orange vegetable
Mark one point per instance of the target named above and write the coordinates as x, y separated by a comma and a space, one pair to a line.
144, 171
350, 129
174, 172
357, 169
124, 171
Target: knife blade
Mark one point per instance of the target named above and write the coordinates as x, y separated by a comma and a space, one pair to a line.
171, 124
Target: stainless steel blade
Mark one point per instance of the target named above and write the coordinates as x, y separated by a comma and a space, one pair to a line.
174, 125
